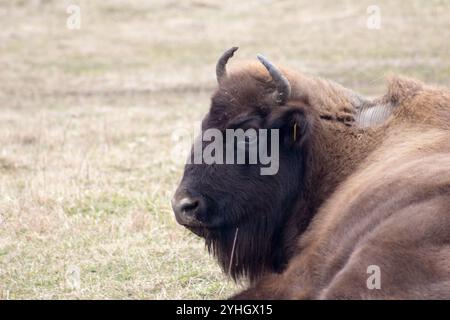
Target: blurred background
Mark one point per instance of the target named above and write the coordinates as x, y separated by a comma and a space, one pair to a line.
92, 91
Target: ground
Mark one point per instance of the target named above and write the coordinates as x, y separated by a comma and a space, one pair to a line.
88, 119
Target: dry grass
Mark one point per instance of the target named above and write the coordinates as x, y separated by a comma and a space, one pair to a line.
86, 118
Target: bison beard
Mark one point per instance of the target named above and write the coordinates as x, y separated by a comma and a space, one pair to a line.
249, 255
233, 250
252, 247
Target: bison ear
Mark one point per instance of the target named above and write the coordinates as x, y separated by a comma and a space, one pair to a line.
295, 125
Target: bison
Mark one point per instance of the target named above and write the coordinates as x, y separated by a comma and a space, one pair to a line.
363, 185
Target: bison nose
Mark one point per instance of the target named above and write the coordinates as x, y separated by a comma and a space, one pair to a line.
188, 210
188, 205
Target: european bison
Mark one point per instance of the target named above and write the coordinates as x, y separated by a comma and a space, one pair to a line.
363, 186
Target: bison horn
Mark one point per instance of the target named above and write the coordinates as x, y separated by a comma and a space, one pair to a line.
221, 71
281, 82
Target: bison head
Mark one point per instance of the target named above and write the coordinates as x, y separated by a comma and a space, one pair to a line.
243, 215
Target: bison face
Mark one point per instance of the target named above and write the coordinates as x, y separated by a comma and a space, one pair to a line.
232, 185
239, 210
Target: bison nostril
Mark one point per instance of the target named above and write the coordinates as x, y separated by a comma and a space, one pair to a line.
188, 205
189, 211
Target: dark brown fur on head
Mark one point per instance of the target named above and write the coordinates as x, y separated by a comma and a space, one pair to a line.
258, 205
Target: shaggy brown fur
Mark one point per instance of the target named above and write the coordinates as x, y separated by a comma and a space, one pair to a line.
392, 212
346, 197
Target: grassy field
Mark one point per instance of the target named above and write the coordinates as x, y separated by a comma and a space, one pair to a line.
87, 117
